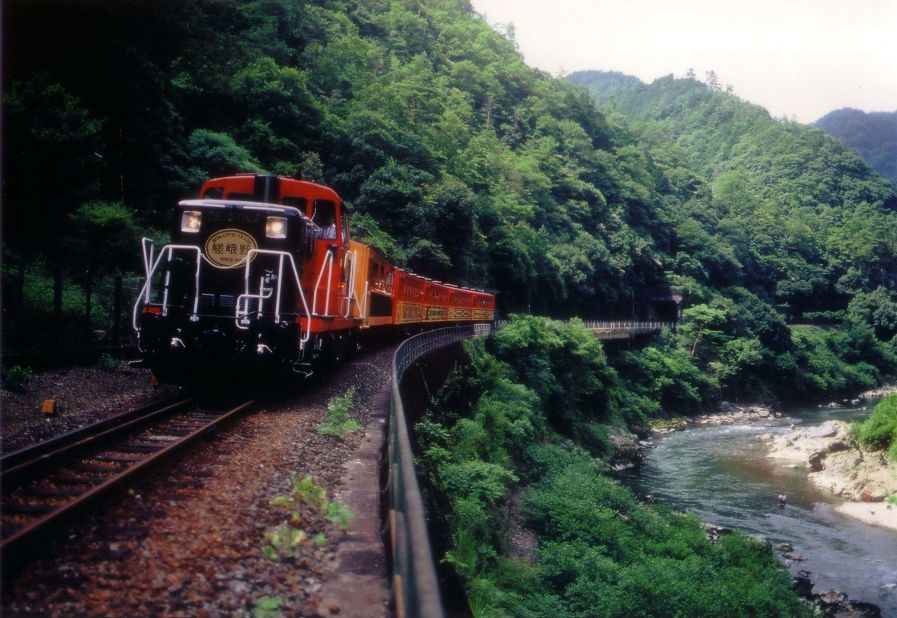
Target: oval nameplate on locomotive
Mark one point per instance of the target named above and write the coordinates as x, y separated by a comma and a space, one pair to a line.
228, 248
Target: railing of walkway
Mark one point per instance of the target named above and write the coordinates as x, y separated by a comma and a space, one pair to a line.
414, 581
607, 330
616, 327
629, 326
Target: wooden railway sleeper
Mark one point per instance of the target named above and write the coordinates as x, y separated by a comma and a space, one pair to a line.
87, 468
122, 458
28, 509
64, 479
16, 538
139, 448
163, 438
53, 492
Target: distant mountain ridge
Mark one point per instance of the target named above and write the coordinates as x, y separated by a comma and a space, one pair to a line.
699, 119
872, 134
782, 202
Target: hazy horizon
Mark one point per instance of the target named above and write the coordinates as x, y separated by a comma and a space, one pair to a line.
798, 58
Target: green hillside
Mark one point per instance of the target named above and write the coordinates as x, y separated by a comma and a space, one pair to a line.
872, 134
792, 213
459, 160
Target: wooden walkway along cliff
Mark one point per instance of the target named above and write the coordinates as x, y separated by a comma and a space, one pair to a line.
612, 331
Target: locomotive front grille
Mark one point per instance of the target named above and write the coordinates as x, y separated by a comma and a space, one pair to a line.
209, 302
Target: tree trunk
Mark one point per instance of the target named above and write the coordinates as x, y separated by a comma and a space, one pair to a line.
57, 304
19, 300
88, 292
116, 310
694, 346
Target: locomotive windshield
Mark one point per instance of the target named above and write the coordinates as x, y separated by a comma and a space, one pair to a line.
325, 219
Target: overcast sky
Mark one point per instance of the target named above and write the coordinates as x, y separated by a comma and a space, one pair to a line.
797, 58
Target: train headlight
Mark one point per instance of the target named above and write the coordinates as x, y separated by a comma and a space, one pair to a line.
276, 227
190, 221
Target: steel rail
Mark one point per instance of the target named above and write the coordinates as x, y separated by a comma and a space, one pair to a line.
24, 459
19, 540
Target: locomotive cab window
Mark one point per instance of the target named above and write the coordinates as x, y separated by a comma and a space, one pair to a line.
325, 218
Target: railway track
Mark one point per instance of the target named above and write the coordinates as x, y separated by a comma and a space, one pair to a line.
46, 484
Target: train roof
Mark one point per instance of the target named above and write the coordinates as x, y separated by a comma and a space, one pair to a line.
241, 205
265, 188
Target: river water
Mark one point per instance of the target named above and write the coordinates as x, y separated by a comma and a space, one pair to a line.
721, 473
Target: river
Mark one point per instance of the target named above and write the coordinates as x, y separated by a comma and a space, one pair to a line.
721, 473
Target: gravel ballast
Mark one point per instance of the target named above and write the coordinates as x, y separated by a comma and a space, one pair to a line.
84, 395
188, 541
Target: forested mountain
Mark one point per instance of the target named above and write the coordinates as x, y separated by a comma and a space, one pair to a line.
458, 159
872, 134
770, 204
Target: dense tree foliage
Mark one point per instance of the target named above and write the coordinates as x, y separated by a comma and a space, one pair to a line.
770, 205
872, 134
458, 159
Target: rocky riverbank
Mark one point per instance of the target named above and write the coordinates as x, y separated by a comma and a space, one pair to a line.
727, 414
836, 462
829, 603
878, 393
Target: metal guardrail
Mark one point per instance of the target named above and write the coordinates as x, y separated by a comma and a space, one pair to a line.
415, 585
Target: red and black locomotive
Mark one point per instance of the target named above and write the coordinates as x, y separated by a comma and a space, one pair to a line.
262, 275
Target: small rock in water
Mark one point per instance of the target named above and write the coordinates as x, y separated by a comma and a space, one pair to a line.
790, 555
832, 597
802, 585
860, 608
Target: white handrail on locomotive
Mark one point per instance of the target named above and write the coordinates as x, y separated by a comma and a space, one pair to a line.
351, 256
152, 266
241, 316
363, 305
328, 264
263, 206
